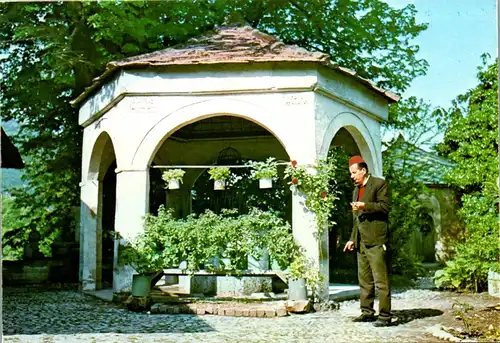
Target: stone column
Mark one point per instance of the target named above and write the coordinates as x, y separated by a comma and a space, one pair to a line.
132, 203
180, 201
305, 233
187, 282
98, 241
88, 234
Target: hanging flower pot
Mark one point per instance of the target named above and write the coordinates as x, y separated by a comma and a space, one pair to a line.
173, 177
174, 184
219, 175
266, 182
219, 185
265, 172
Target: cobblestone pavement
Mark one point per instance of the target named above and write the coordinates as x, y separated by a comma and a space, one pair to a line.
69, 316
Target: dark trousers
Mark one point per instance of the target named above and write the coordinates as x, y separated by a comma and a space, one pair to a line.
373, 270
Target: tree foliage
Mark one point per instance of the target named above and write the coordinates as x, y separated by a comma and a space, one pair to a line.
407, 209
471, 141
417, 120
418, 124
367, 36
52, 51
12, 220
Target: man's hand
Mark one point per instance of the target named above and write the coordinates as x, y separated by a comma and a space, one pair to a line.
349, 246
358, 205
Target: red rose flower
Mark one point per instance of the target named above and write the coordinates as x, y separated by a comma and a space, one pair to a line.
323, 195
295, 181
294, 163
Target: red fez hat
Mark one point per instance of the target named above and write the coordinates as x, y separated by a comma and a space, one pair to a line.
355, 159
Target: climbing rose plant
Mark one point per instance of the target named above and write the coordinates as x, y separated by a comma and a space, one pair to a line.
318, 183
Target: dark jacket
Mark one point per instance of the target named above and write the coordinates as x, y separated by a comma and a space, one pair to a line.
371, 224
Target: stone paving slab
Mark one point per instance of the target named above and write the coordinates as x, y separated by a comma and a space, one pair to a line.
70, 316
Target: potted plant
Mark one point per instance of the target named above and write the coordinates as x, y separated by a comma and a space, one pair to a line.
303, 275
265, 172
142, 255
296, 281
173, 178
219, 175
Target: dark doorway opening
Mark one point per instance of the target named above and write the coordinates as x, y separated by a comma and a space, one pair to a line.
108, 225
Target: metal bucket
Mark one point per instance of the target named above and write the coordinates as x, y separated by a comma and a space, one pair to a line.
297, 289
141, 285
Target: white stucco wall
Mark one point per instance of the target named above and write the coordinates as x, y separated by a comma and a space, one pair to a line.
198, 80
331, 116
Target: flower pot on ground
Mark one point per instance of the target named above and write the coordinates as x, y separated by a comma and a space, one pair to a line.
297, 285
297, 289
303, 273
141, 254
219, 175
141, 285
173, 178
260, 261
265, 172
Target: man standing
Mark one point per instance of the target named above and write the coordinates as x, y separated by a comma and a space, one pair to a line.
370, 238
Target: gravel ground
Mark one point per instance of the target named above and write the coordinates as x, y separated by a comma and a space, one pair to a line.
69, 316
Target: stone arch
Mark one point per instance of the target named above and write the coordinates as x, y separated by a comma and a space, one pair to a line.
100, 158
101, 173
431, 204
355, 125
350, 131
184, 116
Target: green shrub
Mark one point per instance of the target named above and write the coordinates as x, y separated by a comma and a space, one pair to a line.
203, 239
471, 142
15, 229
468, 270
405, 215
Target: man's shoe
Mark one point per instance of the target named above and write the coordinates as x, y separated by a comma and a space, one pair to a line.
382, 323
364, 318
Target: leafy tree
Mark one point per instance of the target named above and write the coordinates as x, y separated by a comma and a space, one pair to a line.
471, 142
367, 36
416, 120
11, 220
52, 51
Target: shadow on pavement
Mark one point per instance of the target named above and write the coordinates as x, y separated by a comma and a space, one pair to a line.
71, 312
406, 316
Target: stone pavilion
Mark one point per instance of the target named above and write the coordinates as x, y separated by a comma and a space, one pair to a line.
234, 88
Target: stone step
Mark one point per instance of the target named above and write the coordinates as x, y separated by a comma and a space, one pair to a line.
276, 309
341, 292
